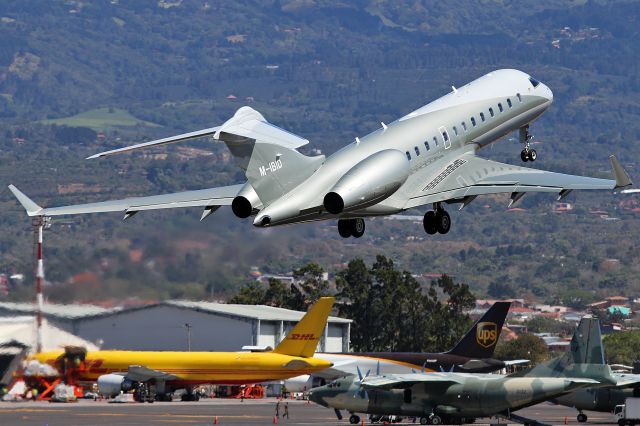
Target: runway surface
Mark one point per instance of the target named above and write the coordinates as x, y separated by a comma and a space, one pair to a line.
232, 412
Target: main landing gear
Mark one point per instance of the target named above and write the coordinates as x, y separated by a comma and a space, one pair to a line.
436, 220
581, 417
351, 227
354, 419
528, 153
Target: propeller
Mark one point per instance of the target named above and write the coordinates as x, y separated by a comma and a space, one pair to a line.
361, 392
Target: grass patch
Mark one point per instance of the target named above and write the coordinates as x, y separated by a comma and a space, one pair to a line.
101, 119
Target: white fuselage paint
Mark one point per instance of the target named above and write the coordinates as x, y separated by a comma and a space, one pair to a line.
469, 118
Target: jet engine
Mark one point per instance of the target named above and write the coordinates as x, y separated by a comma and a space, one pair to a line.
246, 202
368, 182
303, 383
110, 385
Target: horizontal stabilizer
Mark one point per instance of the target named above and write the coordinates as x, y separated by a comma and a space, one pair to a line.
32, 208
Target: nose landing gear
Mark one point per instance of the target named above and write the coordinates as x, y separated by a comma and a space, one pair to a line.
528, 153
437, 220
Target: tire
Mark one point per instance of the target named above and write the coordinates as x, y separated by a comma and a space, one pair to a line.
358, 227
443, 221
354, 420
344, 228
532, 155
523, 156
621, 422
424, 421
435, 420
581, 418
429, 222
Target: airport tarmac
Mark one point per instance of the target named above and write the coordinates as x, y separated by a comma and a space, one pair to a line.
231, 412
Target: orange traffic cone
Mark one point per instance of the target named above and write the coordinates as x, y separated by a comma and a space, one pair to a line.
275, 420
363, 421
565, 421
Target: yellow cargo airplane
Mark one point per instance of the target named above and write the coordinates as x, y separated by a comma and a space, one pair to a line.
155, 375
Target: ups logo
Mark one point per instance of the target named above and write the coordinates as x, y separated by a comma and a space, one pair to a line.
308, 336
487, 334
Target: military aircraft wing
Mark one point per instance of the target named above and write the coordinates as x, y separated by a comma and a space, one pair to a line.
463, 178
400, 381
210, 199
139, 373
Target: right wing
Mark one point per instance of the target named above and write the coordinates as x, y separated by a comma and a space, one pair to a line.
210, 199
140, 373
401, 381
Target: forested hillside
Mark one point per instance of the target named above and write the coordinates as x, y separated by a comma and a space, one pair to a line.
77, 77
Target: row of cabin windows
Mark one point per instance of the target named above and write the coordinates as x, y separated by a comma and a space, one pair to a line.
445, 135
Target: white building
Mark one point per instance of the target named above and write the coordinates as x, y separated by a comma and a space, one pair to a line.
173, 325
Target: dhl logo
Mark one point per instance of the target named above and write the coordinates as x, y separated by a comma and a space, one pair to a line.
308, 336
487, 334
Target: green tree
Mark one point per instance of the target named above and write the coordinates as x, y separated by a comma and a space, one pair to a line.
251, 293
526, 346
622, 347
312, 282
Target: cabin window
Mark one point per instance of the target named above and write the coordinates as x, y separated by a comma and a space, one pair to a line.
473, 121
500, 107
509, 102
455, 130
435, 140
426, 145
464, 126
491, 111
445, 136
519, 97
482, 116
408, 155
417, 150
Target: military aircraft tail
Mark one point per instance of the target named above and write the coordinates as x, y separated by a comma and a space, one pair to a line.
480, 341
303, 339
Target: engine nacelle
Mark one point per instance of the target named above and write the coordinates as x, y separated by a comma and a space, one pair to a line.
368, 182
303, 383
111, 384
246, 202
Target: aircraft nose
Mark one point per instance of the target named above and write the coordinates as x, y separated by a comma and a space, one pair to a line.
546, 92
315, 395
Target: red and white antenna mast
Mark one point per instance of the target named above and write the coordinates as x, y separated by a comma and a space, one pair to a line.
39, 223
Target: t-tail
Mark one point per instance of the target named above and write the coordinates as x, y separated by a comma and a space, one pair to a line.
480, 341
303, 340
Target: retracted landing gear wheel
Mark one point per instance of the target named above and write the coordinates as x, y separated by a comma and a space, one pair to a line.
344, 228
524, 155
443, 221
532, 155
357, 229
354, 420
429, 222
581, 418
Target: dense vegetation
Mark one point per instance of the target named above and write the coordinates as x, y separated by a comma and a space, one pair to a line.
118, 72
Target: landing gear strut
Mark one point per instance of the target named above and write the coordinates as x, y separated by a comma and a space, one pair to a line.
351, 227
528, 153
436, 220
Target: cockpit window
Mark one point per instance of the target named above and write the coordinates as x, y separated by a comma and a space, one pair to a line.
534, 81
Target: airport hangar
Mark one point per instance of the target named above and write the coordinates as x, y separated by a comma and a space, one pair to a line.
172, 325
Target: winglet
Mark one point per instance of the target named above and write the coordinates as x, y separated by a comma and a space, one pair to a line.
620, 174
32, 208
303, 339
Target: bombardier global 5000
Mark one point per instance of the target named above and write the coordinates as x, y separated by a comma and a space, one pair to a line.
426, 158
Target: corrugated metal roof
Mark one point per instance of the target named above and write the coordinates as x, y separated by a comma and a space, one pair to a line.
54, 310
261, 312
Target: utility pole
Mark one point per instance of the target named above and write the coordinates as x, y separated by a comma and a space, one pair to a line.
39, 223
188, 326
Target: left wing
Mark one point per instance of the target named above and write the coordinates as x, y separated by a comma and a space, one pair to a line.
210, 199
463, 178
140, 373
400, 381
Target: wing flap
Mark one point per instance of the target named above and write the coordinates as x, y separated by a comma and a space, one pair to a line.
221, 196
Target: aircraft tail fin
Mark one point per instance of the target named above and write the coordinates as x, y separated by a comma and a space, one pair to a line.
303, 339
267, 154
480, 341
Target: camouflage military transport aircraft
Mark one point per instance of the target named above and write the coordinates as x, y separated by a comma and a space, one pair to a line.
586, 348
428, 157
